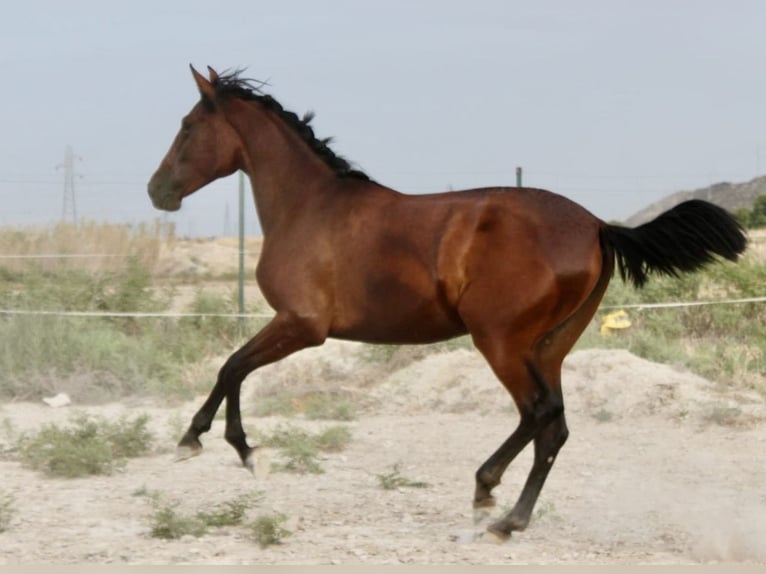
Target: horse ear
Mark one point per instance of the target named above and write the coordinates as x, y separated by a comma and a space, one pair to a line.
206, 89
213, 75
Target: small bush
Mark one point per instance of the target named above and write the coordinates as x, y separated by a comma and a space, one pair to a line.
327, 406
7, 511
270, 529
229, 513
144, 490
301, 448
333, 439
212, 331
301, 457
603, 416
167, 523
393, 480
282, 436
90, 445
129, 438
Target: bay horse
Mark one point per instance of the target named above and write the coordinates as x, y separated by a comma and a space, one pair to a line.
521, 270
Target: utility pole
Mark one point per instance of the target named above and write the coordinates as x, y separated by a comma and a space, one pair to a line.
69, 204
241, 290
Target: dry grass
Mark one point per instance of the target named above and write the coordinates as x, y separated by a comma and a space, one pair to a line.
106, 246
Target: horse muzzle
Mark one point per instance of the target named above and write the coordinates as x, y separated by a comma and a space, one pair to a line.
163, 193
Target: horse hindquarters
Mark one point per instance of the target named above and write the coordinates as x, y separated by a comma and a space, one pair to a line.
524, 321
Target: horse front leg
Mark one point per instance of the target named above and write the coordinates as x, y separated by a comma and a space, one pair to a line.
285, 334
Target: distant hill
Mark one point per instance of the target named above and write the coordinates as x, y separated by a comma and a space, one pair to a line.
730, 196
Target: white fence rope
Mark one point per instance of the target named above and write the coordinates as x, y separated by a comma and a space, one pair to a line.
88, 255
676, 304
638, 306
129, 314
64, 255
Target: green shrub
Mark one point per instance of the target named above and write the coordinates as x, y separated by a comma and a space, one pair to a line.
602, 415
7, 511
129, 438
269, 529
300, 457
301, 449
755, 217
229, 513
328, 406
169, 524
393, 480
215, 330
333, 439
90, 445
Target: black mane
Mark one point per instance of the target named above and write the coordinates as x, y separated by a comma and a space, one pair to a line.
232, 84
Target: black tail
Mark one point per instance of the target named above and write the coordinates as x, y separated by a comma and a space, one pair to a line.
682, 239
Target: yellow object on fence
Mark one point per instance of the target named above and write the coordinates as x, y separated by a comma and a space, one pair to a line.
614, 322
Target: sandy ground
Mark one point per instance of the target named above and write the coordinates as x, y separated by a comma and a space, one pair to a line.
661, 467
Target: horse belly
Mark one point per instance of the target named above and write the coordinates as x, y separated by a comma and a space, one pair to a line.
397, 313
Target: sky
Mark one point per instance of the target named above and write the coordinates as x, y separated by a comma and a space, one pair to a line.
612, 103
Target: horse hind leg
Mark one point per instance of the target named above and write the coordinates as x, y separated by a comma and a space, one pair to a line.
550, 436
539, 407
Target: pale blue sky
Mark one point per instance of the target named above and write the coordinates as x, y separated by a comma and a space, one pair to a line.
611, 103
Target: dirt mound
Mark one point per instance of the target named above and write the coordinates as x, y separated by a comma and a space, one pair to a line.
602, 383
454, 382
617, 383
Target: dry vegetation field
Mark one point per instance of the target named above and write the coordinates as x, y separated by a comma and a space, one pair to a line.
368, 453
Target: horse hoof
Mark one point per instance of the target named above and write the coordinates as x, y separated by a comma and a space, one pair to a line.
186, 452
487, 502
498, 532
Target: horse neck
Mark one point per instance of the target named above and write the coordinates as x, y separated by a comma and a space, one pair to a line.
284, 172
